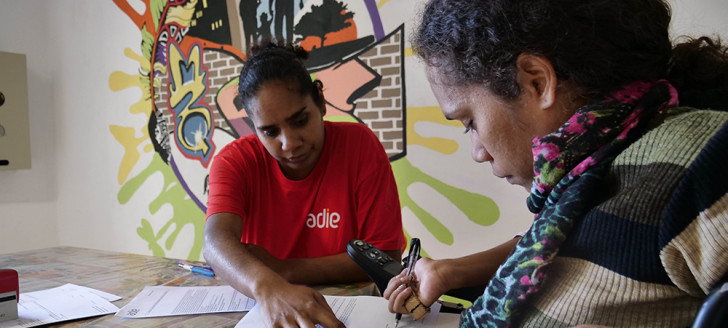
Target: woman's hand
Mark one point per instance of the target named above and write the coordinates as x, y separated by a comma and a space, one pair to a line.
290, 305
428, 284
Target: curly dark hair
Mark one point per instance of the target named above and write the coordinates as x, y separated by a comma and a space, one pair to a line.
276, 60
595, 45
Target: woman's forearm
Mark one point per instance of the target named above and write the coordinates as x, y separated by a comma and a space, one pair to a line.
475, 269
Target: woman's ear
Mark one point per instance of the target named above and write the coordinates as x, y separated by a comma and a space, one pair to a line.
537, 79
320, 87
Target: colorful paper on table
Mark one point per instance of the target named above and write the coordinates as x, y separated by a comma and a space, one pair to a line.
356, 312
160, 301
67, 302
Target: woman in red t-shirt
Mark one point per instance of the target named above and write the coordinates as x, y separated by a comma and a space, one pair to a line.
284, 202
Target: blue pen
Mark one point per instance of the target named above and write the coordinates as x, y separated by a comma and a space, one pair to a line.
196, 269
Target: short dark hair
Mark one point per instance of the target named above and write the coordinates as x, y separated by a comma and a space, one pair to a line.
596, 45
269, 60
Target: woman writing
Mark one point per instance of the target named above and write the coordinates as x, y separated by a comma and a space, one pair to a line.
619, 137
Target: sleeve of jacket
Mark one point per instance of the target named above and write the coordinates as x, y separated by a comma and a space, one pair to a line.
694, 235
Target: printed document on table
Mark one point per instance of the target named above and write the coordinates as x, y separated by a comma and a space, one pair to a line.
67, 302
161, 301
356, 312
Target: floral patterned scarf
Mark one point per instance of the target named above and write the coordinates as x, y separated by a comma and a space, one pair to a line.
568, 166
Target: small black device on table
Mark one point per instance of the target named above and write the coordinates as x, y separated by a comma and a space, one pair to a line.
376, 263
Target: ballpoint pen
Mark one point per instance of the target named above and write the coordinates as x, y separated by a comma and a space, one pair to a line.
195, 269
414, 254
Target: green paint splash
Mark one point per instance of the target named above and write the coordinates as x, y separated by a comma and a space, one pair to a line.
478, 208
184, 210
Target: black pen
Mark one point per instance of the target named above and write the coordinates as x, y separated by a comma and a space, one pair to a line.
414, 254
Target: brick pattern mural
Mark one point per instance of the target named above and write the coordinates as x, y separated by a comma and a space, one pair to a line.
382, 109
221, 68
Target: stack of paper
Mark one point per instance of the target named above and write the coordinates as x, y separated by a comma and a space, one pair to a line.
67, 302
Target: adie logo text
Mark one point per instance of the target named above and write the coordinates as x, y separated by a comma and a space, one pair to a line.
325, 219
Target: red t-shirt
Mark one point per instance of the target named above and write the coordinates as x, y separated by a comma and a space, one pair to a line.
351, 193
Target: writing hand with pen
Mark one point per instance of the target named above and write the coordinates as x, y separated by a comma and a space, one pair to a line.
416, 288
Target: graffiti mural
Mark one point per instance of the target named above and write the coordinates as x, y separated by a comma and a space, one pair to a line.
191, 54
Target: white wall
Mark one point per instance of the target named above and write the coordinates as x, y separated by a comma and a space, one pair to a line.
28, 216
68, 197
699, 17
71, 47
91, 47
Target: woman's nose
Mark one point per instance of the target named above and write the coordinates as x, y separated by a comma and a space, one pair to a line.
290, 140
479, 153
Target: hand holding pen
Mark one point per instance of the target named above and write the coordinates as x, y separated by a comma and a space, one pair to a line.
197, 269
412, 304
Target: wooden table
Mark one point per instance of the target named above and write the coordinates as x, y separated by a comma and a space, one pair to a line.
126, 275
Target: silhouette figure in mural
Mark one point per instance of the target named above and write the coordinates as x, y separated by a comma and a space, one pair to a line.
264, 29
283, 11
330, 16
248, 15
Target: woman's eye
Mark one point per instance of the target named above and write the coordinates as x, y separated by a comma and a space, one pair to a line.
270, 132
302, 122
469, 127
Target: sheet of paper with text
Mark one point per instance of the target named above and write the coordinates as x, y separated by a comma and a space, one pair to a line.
356, 312
159, 301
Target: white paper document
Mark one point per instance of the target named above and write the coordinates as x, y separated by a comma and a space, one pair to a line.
356, 312
67, 302
160, 301
104, 295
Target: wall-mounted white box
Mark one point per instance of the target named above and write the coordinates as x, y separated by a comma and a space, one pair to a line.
14, 122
